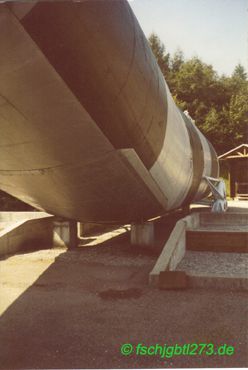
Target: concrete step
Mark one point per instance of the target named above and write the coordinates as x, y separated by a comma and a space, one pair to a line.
215, 270
205, 250
214, 240
224, 219
243, 197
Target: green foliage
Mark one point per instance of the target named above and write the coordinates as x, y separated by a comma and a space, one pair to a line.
176, 61
239, 73
159, 52
218, 104
238, 115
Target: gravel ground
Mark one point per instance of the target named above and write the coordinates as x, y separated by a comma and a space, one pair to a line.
215, 263
74, 309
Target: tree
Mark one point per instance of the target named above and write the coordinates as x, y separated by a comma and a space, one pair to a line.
214, 127
218, 104
239, 73
238, 116
227, 127
195, 84
177, 61
160, 54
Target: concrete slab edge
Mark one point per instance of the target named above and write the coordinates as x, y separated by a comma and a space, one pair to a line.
20, 233
218, 282
174, 249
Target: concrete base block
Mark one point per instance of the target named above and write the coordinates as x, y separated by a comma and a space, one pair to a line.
65, 234
24, 231
172, 253
35, 230
142, 234
173, 280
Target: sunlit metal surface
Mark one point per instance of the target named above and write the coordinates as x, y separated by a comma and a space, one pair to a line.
89, 129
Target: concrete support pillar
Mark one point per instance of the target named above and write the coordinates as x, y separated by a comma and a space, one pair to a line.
65, 234
80, 229
142, 234
73, 234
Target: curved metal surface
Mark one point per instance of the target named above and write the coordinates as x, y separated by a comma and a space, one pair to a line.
89, 129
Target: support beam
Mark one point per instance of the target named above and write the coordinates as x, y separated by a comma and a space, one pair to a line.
142, 234
65, 233
73, 234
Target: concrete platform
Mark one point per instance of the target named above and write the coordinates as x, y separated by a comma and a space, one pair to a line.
205, 232
215, 270
233, 206
224, 232
238, 205
20, 230
218, 240
27, 230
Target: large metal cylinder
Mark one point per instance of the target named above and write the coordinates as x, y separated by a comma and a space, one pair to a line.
89, 129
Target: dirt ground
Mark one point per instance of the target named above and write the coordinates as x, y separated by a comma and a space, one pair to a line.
75, 309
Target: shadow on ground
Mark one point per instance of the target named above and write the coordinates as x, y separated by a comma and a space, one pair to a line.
89, 302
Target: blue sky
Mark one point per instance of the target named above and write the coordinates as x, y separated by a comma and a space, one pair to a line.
214, 30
